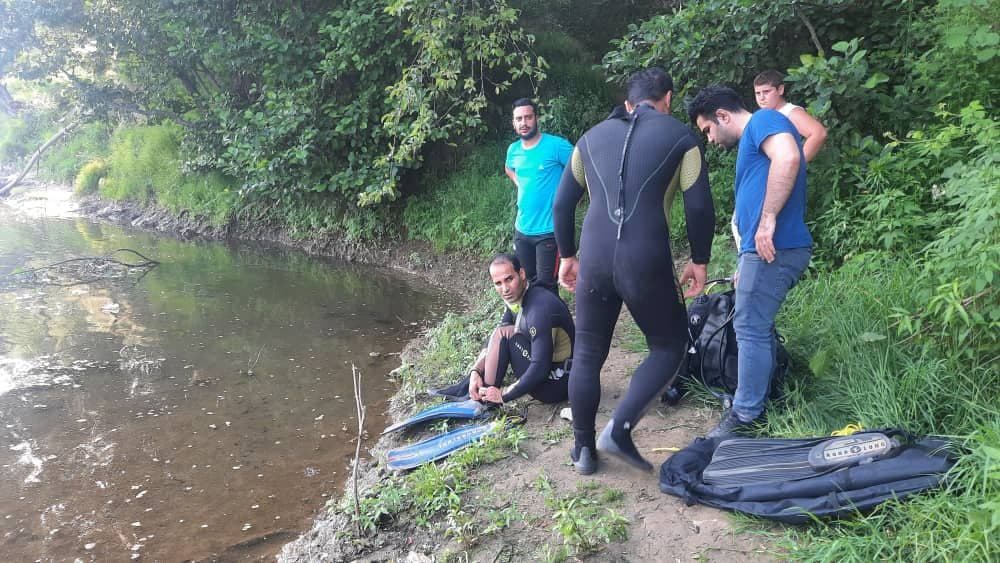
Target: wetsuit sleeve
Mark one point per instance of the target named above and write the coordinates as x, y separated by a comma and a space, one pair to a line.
541, 358
699, 211
571, 189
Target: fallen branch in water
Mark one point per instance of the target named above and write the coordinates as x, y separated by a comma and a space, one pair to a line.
76, 271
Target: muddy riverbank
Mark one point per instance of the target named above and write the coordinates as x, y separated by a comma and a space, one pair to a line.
658, 527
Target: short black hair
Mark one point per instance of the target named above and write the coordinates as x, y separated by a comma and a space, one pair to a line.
650, 84
521, 102
507, 258
711, 99
769, 77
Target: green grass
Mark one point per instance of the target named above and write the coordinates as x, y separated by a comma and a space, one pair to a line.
584, 519
431, 496
469, 208
144, 165
860, 371
89, 178
64, 160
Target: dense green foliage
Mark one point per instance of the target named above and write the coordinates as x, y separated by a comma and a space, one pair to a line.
314, 111
284, 98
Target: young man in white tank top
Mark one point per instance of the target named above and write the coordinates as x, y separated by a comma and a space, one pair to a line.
769, 89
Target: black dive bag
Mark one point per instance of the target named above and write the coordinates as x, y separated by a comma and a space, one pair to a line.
712, 354
781, 485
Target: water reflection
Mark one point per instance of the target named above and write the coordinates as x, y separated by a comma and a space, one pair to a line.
208, 405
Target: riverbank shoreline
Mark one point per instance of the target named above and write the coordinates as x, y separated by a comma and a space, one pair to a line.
659, 527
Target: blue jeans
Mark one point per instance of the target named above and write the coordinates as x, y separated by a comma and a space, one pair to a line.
760, 291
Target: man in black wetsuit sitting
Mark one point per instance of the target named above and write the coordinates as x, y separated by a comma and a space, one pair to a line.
631, 164
535, 339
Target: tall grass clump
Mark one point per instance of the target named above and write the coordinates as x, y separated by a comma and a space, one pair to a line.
863, 370
64, 160
469, 207
89, 178
144, 165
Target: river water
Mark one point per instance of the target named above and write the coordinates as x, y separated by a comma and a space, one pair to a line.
203, 410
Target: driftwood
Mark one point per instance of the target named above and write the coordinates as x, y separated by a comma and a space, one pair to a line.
34, 158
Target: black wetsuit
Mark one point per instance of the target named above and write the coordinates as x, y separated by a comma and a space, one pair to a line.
631, 165
537, 353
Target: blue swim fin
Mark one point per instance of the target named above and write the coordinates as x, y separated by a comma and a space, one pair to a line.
440, 446
467, 410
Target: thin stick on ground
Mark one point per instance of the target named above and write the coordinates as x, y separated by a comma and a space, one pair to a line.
359, 405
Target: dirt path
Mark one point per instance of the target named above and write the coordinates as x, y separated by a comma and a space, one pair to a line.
659, 527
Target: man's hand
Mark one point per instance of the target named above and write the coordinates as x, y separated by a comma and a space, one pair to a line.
568, 270
475, 386
493, 395
764, 239
696, 274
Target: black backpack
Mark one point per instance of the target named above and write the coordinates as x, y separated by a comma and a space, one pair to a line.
712, 353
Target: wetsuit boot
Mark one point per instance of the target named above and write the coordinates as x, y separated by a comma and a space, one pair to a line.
584, 454
617, 440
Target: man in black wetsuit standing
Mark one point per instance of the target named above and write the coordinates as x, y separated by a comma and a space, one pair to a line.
631, 164
534, 339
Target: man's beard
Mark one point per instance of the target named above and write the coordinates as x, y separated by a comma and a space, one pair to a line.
530, 134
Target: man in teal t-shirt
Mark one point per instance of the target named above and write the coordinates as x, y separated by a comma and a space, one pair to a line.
535, 164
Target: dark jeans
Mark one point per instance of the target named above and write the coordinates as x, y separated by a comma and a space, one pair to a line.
537, 254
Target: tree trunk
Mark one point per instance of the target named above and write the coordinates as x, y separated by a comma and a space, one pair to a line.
7, 103
34, 158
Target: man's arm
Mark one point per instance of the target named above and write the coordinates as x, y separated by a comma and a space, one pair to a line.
571, 188
699, 214
510, 174
811, 130
783, 152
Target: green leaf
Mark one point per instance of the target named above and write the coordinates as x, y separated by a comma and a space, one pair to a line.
876, 79
871, 337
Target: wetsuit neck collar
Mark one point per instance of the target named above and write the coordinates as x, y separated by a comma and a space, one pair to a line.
515, 306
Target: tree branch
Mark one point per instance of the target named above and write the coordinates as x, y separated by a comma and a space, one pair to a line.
34, 158
812, 32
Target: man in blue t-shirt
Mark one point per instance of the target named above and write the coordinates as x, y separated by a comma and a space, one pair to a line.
772, 237
535, 164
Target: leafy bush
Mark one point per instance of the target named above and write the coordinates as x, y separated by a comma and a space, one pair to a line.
90, 176
17, 138
575, 95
